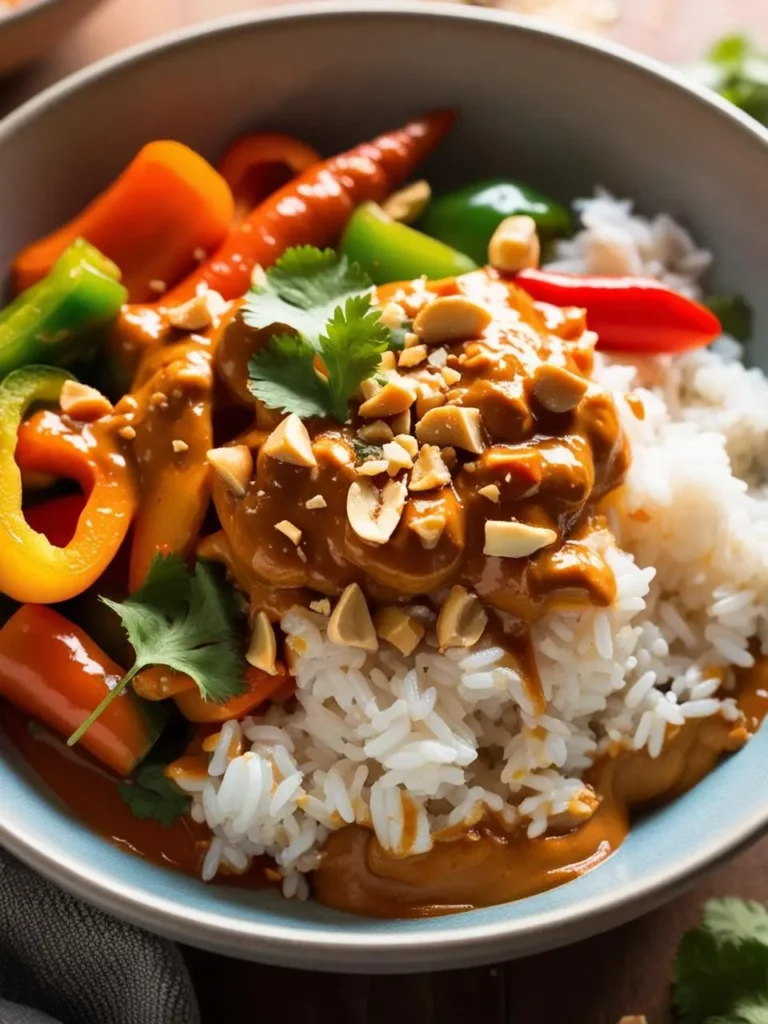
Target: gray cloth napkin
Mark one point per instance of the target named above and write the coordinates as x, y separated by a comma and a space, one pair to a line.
62, 962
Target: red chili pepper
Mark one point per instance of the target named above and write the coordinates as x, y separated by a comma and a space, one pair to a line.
629, 314
313, 208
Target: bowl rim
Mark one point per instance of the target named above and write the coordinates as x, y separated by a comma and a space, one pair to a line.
283, 943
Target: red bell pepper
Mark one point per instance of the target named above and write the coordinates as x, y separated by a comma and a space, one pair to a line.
629, 314
313, 208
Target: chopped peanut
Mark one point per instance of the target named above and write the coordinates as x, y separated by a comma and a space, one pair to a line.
408, 442
491, 492
374, 514
515, 540
199, 312
82, 402
411, 340
262, 650
451, 318
450, 376
234, 465
438, 357
290, 442
387, 361
293, 533
398, 628
412, 356
396, 396
179, 446
127, 433
557, 389
409, 203
462, 619
452, 425
429, 470
429, 528
351, 622
372, 467
393, 315
375, 433
401, 424
317, 502
321, 606
514, 245
397, 457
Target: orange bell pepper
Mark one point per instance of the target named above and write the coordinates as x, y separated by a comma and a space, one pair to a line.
51, 670
57, 519
260, 687
256, 165
31, 568
314, 208
166, 205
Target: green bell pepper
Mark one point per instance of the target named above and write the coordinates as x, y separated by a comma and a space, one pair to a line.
468, 217
56, 320
391, 251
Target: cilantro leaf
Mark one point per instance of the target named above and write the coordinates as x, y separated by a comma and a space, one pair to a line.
351, 349
185, 621
739, 72
150, 794
364, 452
721, 972
326, 301
303, 289
283, 377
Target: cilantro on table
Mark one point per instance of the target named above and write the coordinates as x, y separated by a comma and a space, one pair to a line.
737, 70
150, 794
721, 971
337, 336
184, 620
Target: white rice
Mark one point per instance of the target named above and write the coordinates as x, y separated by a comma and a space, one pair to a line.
409, 746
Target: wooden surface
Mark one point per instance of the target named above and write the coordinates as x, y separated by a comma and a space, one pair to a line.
596, 982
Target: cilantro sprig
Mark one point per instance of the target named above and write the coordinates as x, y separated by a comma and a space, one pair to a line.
185, 621
736, 69
721, 972
338, 339
151, 795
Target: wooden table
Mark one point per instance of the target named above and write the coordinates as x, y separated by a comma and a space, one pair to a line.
595, 982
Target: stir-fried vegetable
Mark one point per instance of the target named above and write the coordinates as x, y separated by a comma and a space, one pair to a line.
629, 314
168, 204
49, 668
31, 568
259, 687
255, 165
314, 208
391, 251
467, 217
57, 319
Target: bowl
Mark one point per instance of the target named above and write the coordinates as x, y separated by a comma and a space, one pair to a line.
557, 110
33, 27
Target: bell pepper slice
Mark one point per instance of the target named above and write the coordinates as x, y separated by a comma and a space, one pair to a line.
391, 251
467, 217
166, 206
31, 568
57, 319
50, 669
57, 519
629, 314
256, 165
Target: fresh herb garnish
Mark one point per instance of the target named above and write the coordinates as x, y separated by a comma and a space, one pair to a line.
721, 972
365, 452
734, 314
150, 794
339, 336
736, 69
185, 621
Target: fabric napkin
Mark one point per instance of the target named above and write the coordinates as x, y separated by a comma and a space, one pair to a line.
63, 962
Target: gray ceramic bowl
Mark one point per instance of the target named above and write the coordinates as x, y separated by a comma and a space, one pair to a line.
560, 112
36, 26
